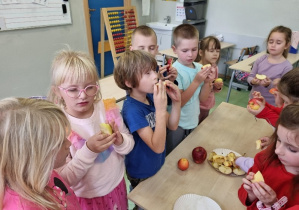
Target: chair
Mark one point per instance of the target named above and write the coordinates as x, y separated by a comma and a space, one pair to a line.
238, 78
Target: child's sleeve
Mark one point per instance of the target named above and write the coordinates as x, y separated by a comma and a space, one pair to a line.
270, 113
76, 167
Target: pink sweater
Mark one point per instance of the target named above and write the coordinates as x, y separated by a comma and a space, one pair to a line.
12, 200
95, 174
210, 102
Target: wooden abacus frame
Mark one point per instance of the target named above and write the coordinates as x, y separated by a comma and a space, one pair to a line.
106, 22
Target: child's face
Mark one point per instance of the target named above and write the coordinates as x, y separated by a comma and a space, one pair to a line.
186, 51
211, 54
147, 82
277, 43
81, 106
287, 148
62, 154
145, 43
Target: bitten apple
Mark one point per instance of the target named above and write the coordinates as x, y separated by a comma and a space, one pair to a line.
273, 90
183, 164
218, 80
106, 128
253, 103
199, 154
169, 62
260, 76
258, 144
207, 65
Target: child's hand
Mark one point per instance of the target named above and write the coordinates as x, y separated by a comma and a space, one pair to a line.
202, 75
162, 69
265, 142
255, 81
172, 74
248, 186
119, 138
264, 193
160, 98
173, 91
100, 142
265, 82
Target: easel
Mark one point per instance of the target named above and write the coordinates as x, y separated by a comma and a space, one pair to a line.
120, 23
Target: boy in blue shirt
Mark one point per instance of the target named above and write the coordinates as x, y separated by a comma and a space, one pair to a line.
192, 82
144, 112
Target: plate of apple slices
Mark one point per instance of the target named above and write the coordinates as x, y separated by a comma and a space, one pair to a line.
223, 161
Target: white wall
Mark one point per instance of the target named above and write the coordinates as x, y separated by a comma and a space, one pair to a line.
243, 23
26, 55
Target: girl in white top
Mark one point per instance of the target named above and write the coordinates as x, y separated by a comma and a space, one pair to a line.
96, 168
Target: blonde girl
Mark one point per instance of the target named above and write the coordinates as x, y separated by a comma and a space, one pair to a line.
274, 64
209, 53
279, 165
96, 169
33, 139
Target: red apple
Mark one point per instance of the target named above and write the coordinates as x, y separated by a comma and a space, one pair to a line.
169, 62
253, 103
183, 164
273, 90
199, 154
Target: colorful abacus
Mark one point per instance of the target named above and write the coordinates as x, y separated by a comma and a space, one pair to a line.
120, 23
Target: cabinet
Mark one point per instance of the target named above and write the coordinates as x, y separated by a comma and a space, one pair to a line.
164, 38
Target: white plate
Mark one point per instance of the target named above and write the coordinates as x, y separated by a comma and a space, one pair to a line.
195, 202
224, 152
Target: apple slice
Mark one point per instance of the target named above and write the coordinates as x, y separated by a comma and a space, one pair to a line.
205, 66
238, 171
225, 169
273, 90
260, 76
258, 144
106, 128
258, 177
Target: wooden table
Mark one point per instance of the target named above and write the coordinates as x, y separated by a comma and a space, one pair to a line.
246, 66
224, 45
109, 89
229, 126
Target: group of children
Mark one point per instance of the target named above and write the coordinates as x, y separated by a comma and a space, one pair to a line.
55, 156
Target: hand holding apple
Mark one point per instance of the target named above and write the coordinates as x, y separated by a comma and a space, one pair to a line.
255, 105
199, 154
183, 164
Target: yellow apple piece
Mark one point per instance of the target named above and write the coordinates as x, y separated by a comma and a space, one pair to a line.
225, 169
238, 171
218, 80
106, 128
258, 144
258, 177
260, 76
205, 66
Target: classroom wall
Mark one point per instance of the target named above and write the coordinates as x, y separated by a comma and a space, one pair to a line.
243, 23
26, 54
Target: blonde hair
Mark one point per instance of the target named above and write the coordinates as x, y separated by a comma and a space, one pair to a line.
144, 31
72, 66
32, 132
184, 31
288, 36
131, 66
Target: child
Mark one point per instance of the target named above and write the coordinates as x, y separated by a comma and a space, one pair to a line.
274, 64
33, 139
144, 38
96, 170
209, 53
279, 165
144, 112
190, 82
288, 90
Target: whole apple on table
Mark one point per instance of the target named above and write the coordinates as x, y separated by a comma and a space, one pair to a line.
199, 154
